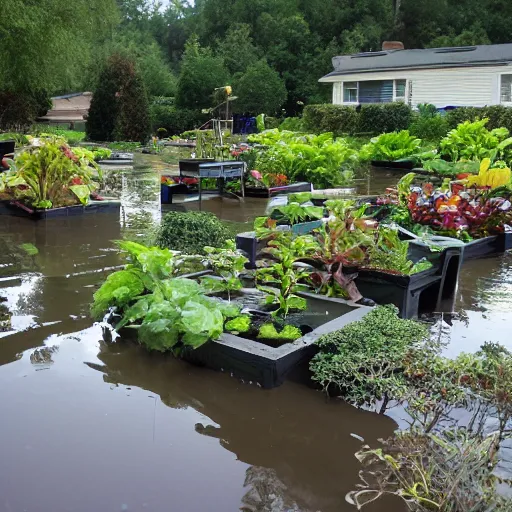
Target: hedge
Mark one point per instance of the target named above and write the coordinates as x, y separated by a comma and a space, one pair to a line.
175, 120
341, 119
338, 119
498, 115
385, 118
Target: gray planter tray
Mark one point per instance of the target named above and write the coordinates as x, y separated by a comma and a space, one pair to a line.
265, 365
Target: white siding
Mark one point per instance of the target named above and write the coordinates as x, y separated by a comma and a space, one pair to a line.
337, 93
476, 86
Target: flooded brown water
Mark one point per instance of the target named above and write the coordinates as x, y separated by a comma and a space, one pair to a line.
89, 426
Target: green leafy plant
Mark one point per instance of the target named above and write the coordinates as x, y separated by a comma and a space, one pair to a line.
391, 147
293, 213
318, 159
282, 275
52, 170
473, 141
362, 361
391, 254
268, 331
239, 324
190, 232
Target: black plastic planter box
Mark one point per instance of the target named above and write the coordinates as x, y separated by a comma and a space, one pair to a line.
268, 366
16, 210
488, 246
167, 191
403, 165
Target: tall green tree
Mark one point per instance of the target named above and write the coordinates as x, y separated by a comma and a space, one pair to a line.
260, 90
119, 107
201, 73
45, 44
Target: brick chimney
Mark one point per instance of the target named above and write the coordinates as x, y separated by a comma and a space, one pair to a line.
392, 45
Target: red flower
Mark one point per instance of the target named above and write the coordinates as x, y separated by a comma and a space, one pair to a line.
77, 181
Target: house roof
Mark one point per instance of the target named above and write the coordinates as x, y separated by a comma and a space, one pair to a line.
389, 60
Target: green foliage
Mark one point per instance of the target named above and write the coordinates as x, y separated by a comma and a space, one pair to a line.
499, 116
362, 360
281, 274
337, 119
293, 213
473, 141
431, 128
340, 119
259, 90
391, 254
305, 157
118, 290
237, 48
240, 324
119, 107
293, 124
174, 120
386, 117
20, 108
148, 56
391, 147
51, 170
39, 37
190, 232
288, 333
201, 73
72, 137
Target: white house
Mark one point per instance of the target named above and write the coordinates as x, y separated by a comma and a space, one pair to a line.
473, 76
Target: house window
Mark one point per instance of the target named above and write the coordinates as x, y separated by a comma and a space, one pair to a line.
350, 92
506, 89
400, 90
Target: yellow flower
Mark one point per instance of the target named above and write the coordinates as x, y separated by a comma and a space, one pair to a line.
229, 90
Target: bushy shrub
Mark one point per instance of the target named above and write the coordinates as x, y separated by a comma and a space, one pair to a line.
337, 119
362, 359
429, 128
18, 109
293, 124
271, 122
499, 116
388, 117
190, 232
175, 120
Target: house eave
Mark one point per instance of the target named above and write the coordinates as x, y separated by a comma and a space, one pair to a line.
334, 75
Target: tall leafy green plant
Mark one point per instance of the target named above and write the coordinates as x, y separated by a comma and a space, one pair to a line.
473, 141
391, 147
51, 170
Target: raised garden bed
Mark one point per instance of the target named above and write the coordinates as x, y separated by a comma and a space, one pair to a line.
16, 209
398, 165
424, 292
269, 366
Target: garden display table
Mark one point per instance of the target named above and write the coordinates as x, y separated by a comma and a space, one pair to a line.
218, 170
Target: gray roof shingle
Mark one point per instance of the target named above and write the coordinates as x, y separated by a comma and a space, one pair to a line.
421, 59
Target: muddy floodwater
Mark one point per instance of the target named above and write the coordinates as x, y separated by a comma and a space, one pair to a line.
89, 426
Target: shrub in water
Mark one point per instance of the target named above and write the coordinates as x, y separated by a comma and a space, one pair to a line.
190, 232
